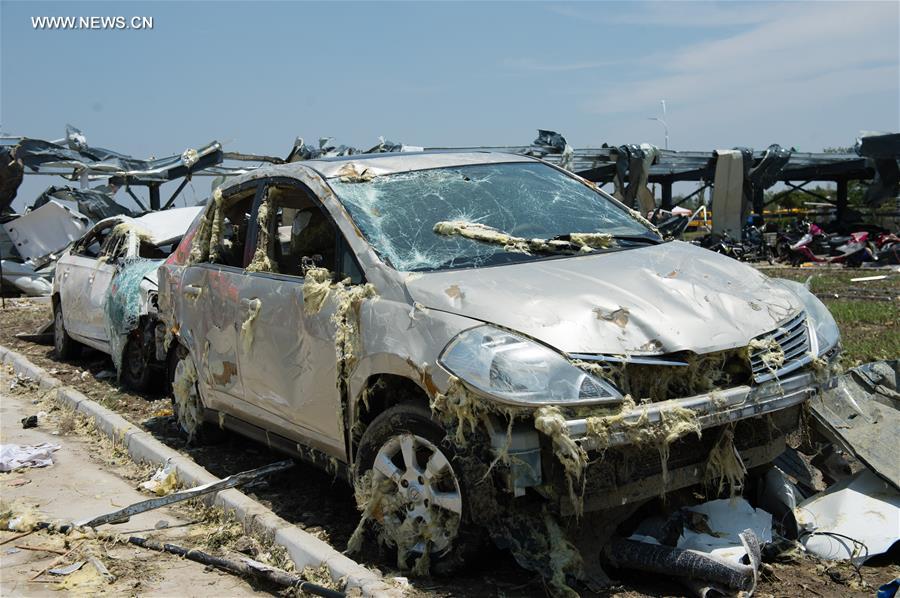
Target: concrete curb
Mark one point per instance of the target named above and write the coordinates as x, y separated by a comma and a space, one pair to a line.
304, 548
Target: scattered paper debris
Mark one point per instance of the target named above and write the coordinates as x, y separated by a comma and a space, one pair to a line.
14, 456
163, 482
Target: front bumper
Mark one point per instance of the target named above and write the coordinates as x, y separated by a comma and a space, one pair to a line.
712, 409
620, 472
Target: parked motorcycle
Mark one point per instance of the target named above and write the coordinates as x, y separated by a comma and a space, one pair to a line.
816, 246
887, 248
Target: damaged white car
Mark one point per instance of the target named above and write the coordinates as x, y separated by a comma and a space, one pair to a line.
104, 291
482, 342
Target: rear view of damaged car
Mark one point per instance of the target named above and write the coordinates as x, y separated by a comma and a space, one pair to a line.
104, 291
480, 343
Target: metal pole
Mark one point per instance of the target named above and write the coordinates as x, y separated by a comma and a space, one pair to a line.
663, 102
841, 199
667, 195
665, 126
154, 198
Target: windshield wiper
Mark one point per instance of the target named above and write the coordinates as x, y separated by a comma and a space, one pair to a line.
579, 239
637, 239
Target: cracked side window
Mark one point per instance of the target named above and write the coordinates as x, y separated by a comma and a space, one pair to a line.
397, 213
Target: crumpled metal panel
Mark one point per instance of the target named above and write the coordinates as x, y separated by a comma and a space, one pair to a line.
46, 230
677, 297
862, 414
95, 203
40, 156
328, 149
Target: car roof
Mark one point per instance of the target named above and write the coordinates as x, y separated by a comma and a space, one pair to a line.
394, 162
163, 226
167, 225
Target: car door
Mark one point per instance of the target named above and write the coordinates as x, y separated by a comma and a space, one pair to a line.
208, 303
287, 356
98, 281
76, 274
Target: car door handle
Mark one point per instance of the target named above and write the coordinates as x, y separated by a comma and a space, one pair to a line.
250, 304
191, 291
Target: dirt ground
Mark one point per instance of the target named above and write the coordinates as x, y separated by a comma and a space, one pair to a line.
322, 505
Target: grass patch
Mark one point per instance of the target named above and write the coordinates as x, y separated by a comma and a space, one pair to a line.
870, 328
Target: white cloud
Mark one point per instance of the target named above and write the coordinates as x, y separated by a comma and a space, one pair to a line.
805, 53
530, 64
669, 14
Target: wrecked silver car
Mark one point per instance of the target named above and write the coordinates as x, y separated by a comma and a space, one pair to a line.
482, 341
104, 291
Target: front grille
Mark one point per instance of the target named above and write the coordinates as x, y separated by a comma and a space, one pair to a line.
613, 469
792, 337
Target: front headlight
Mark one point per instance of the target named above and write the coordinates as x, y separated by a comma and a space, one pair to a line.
518, 370
827, 333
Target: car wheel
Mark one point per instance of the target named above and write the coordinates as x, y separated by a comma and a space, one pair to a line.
404, 461
187, 405
66, 348
136, 371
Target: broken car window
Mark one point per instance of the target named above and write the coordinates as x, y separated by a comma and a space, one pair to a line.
157, 252
304, 234
89, 246
115, 246
232, 226
397, 213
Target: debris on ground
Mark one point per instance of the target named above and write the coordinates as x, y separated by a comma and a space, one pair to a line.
15, 456
855, 519
164, 480
725, 519
67, 570
232, 481
861, 414
719, 546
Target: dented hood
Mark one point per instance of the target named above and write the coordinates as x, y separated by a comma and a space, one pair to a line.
650, 300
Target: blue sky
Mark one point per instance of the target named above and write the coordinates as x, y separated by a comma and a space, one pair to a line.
257, 75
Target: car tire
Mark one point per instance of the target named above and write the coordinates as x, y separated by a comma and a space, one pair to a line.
136, 373
189, 410
390, 435
65, 347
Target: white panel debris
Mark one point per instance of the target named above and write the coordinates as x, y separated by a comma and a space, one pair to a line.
854, 519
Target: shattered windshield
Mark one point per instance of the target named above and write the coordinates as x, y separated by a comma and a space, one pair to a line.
405, 216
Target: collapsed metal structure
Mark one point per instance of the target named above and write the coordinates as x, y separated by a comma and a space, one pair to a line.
73, 159
630, 167
738, 177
